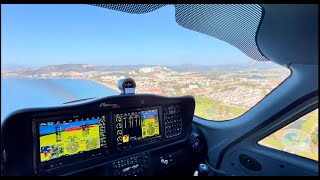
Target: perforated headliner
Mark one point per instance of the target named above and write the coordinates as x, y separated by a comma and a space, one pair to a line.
235, 24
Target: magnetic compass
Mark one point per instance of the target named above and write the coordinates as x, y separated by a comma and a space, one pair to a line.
127, 86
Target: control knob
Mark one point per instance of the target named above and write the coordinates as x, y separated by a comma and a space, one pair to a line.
203, 170
163, 161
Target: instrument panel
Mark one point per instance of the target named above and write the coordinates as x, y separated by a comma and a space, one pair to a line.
73, 138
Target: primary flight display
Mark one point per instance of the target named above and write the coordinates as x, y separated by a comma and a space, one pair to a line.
66, 138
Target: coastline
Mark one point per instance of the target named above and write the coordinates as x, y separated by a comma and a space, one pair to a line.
107, 85
104, 84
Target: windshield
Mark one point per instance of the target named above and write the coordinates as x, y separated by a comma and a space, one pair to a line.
52, 54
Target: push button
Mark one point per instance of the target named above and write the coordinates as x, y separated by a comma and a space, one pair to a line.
196, 143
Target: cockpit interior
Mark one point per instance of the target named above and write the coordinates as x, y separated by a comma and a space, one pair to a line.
132, 134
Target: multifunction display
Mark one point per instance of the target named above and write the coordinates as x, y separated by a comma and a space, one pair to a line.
136, 125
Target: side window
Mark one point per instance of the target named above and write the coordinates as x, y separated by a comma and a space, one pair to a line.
299, 137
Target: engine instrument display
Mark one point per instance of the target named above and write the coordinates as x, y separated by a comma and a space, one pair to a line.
67, 138
136, 125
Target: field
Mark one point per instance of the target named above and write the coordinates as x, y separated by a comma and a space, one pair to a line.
307, 124
210, 109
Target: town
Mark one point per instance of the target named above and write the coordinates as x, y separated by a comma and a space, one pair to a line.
220, 95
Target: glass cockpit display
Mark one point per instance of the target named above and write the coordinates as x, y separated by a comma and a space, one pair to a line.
67, 138
136, 125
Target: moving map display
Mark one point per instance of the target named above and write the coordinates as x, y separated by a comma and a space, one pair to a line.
135, 126
65, 138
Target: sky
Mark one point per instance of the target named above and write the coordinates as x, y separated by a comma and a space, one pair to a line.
39, 35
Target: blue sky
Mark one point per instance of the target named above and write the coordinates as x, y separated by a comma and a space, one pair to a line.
44, 130
40, 35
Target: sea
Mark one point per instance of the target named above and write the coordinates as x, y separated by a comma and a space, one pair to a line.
19, 93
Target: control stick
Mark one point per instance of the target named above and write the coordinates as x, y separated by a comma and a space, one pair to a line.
203, 170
